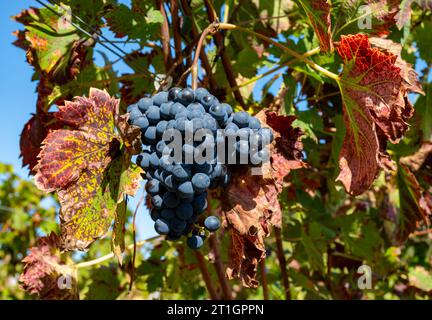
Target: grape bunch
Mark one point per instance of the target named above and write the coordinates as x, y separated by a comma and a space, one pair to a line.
189, 140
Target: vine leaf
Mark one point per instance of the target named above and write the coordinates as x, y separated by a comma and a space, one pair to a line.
374, 90
405, 10
318, 12
45, 275
252, 206
413, 205
85, 165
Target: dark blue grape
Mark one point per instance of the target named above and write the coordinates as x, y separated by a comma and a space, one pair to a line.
143, 160
196, 106
157, 201
181, 172
184, 211
195, 114
200, 182
208, 100
161, 127
167, 214
231, 129
217, 111
173, 92
153, 114
160, 98
134, 113
241, 119
185, 190
177, 225
228, 108
254, 123
141, 122
154, 214
195, 242
153, 187
154, 160
144, 103
171, 183
150, 135
186, 96
200, 93
199, 203
267, 135
212, 223
165, 110
205, 168
162, 226
161, 147
176, 108
171, 200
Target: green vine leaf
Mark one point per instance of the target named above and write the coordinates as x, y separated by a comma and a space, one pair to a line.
87, 168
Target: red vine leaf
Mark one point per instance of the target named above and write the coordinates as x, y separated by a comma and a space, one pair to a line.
376, 110
45, 275
318, 12
85, 167
252, 200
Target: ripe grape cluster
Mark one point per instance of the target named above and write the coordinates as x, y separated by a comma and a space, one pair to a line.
189, 138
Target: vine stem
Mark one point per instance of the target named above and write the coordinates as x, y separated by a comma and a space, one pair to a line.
216, 26
282, 263
111, 255
264, 280
206, 276
283, 65
226, 289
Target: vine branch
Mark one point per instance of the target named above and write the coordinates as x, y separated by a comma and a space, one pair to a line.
206, 276
226, 288
282, 263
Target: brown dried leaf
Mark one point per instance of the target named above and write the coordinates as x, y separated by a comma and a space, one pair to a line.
252, 206
45, 275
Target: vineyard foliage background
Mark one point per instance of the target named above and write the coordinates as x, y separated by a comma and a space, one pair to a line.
350, 183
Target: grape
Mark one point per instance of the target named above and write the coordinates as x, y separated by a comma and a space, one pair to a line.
161, 127
173, 92
157, 201
176, 108
160, 98
161, 147
207, 101
199, 203
241, 119
254, 123
154, 214
170, 200
141, 122
178, 186
177, 225
185, 189
154, 160
171, 183
134, 113
200, 93
181, 172
144, 103
186, 96
153, 114
217, 111
228, 109
195, 242
184, 211
162, 226
153, 187
143, 160
212, 223
200, 182
150, 135
167, 214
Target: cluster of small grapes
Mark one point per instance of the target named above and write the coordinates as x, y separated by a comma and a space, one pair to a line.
178, 186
